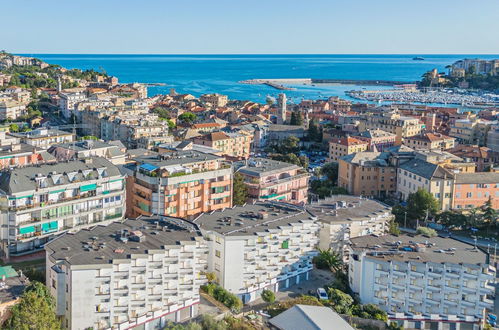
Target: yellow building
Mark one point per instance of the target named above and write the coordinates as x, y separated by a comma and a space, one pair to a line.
345, 146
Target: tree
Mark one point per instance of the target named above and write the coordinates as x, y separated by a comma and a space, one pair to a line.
328, 259
296, 118
451, 219
291, 144
239, 190
171, 124
420, 205
268, 296
36, 310
14, 128
314, 132
393, 228
341, 302
211, 277
187, 117
330, 170
489, 214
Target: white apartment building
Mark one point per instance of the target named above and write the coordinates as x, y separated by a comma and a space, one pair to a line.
68, 102
39, 202
343, 217
423, 282
44, 138
266, 245
137, 274
11, 109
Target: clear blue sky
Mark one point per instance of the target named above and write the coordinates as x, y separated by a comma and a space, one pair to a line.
250, 26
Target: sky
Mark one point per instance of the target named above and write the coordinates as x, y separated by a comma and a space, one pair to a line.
250, 26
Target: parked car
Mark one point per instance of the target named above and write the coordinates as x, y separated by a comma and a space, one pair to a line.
322, 294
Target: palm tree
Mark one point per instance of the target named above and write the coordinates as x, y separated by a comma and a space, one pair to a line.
329, 259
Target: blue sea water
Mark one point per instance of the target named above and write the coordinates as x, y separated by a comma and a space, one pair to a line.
199, 74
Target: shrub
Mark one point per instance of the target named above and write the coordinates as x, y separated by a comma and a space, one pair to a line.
225, 297
426, 231
279, 307
268, 296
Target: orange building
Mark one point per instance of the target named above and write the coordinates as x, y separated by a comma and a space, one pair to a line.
474, 189
180, 184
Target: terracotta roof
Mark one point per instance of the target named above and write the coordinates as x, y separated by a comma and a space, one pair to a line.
205, 125
431, 137
215, 136
348, 141
471, 151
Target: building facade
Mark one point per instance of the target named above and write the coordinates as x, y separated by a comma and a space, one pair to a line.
345, 146
139, 273
266, 245
269, 179
40, 202
420, 281
430, 141
180, 183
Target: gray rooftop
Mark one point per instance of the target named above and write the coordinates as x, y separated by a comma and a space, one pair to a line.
176, 158
23, 178
346, 208
436, 249
479, 177
424, 169
262, 167
252, 218
368, 159
103, 244
85, 145
303, 317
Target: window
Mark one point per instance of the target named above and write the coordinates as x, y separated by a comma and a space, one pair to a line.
469, 195
285, 244
217, 253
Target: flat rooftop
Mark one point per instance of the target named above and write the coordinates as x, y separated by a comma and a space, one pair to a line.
176, 158
14, 284
263, 167
345, 208
103, 244
252, 218
431, 249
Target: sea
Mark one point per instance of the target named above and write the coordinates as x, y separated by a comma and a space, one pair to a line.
200, 74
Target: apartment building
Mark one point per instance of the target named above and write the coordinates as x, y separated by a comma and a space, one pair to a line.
423, 282
418, 174
11, 109
180, 183
232, 144
215, 100
139, 273
39, 202
430, 141
43, 137
367, 174
265, 245
478, 66
13, 153
68, 101
484, 158
88, 148
344, 216
401, 126
130, 128
475, 189
377, 139
269, 179
471, 131
493, 138
345, 146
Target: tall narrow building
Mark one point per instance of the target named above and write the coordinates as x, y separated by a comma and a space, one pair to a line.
281, 103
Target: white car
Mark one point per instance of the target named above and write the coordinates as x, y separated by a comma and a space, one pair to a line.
322, 294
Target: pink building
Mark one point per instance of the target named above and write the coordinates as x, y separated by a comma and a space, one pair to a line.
273, 180
474, 189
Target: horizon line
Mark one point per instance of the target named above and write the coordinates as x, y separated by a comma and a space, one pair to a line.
252, 54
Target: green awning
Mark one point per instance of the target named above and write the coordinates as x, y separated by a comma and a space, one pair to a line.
57, 191
88, 187
27, 230
105, 192
48, 227
8, 271
20, 197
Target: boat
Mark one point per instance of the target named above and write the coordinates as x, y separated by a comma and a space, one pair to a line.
418, 58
